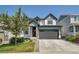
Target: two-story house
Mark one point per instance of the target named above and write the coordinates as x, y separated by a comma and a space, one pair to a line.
44, 28
70, 24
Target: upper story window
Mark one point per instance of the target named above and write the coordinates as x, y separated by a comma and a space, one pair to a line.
76, 18
50, 22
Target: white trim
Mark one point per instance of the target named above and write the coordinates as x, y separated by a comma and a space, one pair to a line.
74, 31
59, 34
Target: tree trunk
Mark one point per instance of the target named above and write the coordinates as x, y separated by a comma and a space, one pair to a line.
15, 39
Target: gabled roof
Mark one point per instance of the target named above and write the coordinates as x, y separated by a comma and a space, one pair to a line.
33, 21
72, 14
62, 17
50, 16
66, 15
36, 19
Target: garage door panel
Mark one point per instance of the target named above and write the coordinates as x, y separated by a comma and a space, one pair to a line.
48, 34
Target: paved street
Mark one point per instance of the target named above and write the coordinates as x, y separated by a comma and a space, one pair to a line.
57, 46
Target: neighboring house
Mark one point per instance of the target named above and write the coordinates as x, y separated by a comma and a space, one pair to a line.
70, 24
44, 28
5, 36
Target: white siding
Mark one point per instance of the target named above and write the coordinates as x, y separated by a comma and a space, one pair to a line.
33, 24
29, 35
72, 20
8, 35
54, 22
45, 22
51, 19
42, 22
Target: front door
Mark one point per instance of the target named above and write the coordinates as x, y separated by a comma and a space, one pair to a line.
33, 31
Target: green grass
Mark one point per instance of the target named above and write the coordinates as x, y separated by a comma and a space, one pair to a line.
21, 47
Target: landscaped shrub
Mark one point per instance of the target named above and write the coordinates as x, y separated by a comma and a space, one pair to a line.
12, 40
31, 40
70, 38
27, 39
20, 40
77, 38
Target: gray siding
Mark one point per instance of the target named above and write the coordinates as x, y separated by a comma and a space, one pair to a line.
65, 25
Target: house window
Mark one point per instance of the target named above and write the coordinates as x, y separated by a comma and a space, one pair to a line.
71, 28
78, 18
77, 28
49, 22
75, 18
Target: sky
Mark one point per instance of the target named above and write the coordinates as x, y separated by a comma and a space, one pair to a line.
41, 10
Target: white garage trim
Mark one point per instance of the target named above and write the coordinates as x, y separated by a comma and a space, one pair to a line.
51, 28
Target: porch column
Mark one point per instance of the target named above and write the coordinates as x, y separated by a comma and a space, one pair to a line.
30, 32
37, 32
59, 34
74, 30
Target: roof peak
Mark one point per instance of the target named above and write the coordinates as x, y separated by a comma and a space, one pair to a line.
36, 17
50, 14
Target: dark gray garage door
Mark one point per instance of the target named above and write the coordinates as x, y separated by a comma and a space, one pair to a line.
48, 34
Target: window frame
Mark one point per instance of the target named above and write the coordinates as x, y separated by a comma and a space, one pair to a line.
75, 18
77, 28
70, 28
49, 22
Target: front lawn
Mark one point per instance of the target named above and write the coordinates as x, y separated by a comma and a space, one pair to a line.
21, 47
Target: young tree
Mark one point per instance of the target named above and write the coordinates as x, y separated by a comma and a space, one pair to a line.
16, 24
19, 23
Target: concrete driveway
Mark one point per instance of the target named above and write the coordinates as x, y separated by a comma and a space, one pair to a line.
57, 46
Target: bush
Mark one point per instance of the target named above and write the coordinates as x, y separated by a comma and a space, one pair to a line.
71, 38
27, 39
77, 38
18, 40
12, 40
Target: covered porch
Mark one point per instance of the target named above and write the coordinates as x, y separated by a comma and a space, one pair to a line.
74, 29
